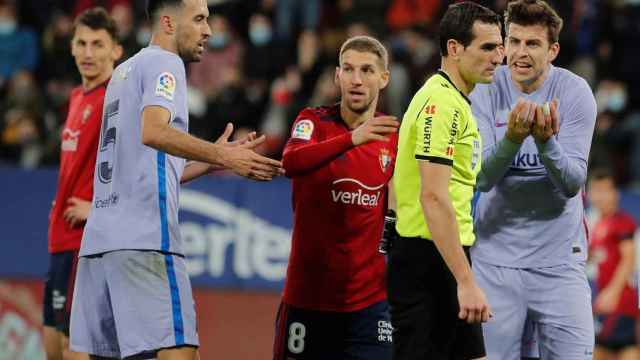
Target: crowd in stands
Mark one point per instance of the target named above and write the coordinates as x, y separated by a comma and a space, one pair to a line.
267, 59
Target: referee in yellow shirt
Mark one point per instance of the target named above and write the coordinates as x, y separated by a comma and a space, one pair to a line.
436, 306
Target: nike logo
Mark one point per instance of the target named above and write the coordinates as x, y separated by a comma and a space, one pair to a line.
500, 124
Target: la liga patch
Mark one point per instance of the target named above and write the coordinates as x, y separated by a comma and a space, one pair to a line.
166, 86
303, 130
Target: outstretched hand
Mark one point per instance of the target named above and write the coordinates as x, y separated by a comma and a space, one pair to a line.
247, 163
239, 157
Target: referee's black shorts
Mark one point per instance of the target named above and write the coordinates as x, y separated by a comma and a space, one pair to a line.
423, 298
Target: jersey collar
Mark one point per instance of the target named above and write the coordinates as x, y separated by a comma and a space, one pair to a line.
444, 75
101, 85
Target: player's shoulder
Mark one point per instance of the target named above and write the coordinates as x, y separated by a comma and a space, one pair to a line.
624, 219
157, 60
320, 114
570, 81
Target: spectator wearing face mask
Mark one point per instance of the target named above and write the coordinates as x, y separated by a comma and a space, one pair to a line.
217, 78
263, 62
18, 46
224, 51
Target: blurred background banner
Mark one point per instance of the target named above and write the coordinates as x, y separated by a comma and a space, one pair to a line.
236, 233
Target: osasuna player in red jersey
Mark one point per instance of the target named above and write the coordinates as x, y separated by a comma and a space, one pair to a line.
340, 159
95, 49
613, 253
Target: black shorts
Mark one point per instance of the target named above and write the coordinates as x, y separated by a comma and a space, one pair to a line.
322, 335
423, 298
58, 290
615, 332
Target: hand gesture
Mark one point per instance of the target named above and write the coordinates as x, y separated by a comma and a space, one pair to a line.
242, 160
375, 129
77, 212
547, 122
606, 301
474, 307
249, 142
520, 120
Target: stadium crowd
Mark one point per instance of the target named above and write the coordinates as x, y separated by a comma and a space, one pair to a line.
268, 59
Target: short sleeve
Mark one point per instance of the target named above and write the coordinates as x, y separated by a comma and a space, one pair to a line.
160, 81
437, 127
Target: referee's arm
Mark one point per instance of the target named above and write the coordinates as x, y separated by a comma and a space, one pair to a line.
440, 217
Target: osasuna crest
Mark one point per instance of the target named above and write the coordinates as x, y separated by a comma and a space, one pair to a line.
385, 159
86, 113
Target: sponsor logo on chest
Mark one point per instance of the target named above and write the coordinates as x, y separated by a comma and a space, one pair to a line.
70, 139
352, 192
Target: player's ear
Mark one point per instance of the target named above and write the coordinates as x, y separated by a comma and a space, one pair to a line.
116, 52
384, 79
336, 76
167, 23
554, 50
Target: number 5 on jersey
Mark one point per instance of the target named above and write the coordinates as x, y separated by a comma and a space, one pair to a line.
107, 142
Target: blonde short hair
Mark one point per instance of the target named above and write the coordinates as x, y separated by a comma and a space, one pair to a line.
366, 44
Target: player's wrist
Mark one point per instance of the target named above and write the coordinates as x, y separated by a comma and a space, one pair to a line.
355, 138
220, 158
516, 139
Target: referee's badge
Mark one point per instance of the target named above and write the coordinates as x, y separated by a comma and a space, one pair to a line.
385, 159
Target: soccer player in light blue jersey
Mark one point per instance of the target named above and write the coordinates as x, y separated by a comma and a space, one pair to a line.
133, 291
536, 122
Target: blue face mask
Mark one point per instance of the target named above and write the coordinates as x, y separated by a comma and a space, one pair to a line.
617, 101
7, 27
218, 40
260, 34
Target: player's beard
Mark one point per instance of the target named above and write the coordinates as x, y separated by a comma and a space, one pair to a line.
360, 109
187, 54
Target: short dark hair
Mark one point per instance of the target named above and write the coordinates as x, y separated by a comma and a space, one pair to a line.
534, 12
367, 44
457, 23
602, 173
97, 18
154, 5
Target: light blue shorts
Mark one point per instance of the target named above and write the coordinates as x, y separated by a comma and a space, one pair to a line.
537, 312
129, 302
